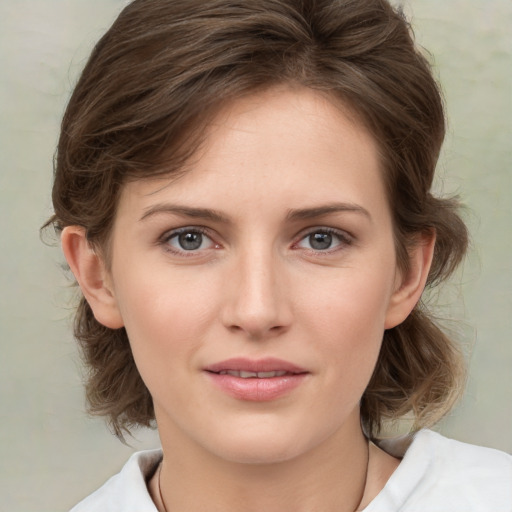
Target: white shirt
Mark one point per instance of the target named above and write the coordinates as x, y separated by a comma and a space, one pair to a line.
436, 475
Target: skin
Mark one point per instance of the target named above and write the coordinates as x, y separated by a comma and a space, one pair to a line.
277, 167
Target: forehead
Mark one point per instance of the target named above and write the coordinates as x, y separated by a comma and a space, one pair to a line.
285, 144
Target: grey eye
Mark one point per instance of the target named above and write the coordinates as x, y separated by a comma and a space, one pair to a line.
190, 241
320, 241
324, 240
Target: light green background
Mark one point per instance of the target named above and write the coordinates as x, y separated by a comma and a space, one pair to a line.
51, 454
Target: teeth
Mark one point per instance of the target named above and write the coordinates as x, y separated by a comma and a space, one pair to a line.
251, 375
266, 375
245, 375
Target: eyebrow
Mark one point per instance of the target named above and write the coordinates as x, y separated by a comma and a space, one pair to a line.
319, 211
215, 216
185, 211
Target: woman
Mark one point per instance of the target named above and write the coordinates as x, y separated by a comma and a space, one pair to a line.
243, 194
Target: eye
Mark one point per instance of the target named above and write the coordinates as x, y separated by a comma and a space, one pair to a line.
188, 240
324, 239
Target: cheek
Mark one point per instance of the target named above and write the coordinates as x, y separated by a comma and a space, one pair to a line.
351, 301
165, 317
347, 321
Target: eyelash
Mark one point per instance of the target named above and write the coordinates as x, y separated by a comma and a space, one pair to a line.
343, 237
344, 240
170, 235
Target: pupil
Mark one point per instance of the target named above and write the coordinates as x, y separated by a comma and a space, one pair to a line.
320, 241
190, 241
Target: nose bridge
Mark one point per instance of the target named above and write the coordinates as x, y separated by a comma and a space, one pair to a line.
257, 304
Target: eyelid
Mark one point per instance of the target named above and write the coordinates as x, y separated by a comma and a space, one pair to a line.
164, 239
344, 237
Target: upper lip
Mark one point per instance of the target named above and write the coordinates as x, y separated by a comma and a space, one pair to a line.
269, 364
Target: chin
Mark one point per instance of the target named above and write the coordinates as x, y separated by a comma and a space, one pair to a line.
260, 446
259, 453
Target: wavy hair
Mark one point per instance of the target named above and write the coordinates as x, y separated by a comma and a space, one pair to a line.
141, 107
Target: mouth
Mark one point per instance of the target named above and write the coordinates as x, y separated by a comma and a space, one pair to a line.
253, 375
256, 380
255, 368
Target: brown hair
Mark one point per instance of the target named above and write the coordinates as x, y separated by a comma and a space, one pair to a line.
144, 99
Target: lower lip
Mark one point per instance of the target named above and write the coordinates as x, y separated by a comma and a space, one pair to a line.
255, 389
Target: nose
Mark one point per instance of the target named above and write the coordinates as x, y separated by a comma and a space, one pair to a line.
257, 303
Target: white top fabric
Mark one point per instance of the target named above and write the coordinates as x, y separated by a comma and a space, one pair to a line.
436, 475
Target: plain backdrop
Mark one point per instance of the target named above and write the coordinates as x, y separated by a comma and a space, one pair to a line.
51, 453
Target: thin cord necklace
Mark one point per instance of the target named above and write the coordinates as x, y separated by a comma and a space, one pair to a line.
356, 509
160, 488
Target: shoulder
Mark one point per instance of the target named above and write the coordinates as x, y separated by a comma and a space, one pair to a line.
438, 474
453, 463
126, 491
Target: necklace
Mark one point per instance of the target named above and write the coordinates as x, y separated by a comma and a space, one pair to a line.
358, 508
164, 509
160, 497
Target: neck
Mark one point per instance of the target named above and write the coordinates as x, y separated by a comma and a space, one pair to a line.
329, 477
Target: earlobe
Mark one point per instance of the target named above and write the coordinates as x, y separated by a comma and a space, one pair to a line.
411, 285
90, 272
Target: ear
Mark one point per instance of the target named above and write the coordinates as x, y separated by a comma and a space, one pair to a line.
93, 278
410, 286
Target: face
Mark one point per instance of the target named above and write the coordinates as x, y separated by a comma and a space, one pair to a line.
256, 288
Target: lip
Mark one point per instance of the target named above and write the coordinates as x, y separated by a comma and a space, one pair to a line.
269, 364
256, 389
